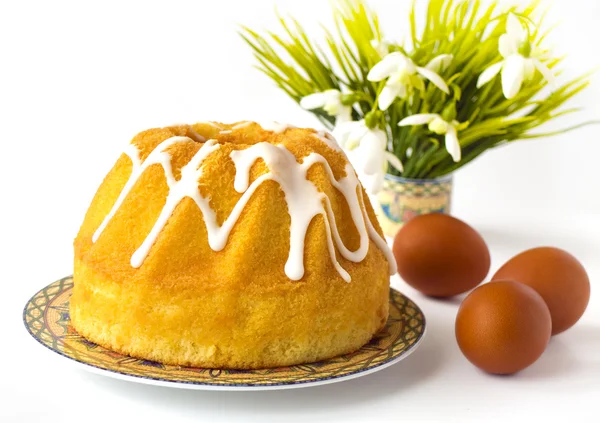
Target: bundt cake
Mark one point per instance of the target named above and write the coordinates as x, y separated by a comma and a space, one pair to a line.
231, 246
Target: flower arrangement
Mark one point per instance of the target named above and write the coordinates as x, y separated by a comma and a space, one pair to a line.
471, 79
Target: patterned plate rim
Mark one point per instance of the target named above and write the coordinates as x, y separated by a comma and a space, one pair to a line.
202, 385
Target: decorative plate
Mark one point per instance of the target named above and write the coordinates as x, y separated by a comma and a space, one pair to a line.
46, 317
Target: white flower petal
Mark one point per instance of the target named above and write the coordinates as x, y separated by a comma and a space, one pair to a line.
418, 119
372, 147
314, 101
514, 29
372, 183
546, 72
439, 63
394, 161
381, 137
377, 183
489, 74
513, 73
402, 91
345, 115
381, 47
386, 67
452, 144
341, 132
507, 46
357, 160
349, 133
434, 78
438, 126
332, 93
356, 142
529, 67
371, 160
388, 95
408, 66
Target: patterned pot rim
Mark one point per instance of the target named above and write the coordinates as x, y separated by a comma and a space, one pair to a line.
46, 317
402, 180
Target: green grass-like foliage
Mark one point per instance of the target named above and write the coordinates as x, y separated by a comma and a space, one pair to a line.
466, 29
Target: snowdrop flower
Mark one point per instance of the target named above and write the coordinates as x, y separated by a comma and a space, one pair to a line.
366, 150
439, 126
403, 76
521, 59
331, 102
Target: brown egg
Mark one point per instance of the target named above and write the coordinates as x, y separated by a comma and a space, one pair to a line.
503, 327
558, 277
440, 255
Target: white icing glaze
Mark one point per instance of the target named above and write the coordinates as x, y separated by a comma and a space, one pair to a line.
195, 136
276, 127
158, 156
227, 131
328, 139
303, 199
187, 186
305, 202
242, 125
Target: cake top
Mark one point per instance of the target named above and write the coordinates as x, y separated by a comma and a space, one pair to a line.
246, 144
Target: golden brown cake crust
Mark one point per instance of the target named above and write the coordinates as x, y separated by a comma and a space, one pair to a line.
234, 308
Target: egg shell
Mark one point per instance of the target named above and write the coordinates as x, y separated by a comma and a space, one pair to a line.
503, 327
441, 256
558, 277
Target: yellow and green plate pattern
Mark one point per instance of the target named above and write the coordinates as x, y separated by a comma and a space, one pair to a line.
46, 317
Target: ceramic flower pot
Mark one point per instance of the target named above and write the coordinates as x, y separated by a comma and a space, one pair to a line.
401, 199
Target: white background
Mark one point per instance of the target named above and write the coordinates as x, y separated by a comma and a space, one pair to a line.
78, 80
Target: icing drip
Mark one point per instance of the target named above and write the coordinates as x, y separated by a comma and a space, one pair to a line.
187, 186
303, 199
158, 156
305, 202
227, 131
